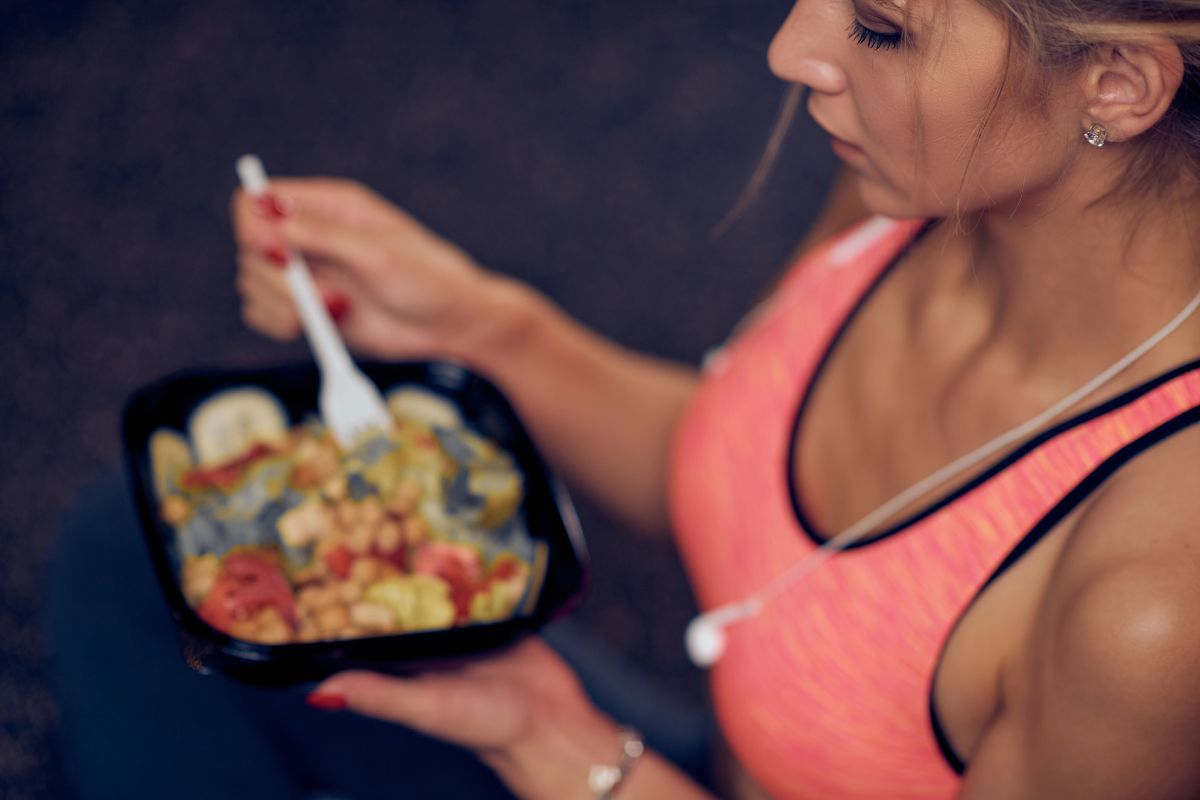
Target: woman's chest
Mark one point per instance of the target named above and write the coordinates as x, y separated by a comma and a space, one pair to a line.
828, 691
868, 671
878, 422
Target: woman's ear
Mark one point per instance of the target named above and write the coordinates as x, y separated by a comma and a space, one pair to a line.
1129, 87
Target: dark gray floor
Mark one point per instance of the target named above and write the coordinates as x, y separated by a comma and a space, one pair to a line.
587, 147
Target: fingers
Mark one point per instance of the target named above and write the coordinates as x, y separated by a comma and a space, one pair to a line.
339, 200
270, 324
338, 225
470, 712
333, 200
333, 241
266, 305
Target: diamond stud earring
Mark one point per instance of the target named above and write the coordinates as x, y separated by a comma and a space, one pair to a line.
1096, 135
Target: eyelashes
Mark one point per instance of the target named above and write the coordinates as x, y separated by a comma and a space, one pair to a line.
874, 39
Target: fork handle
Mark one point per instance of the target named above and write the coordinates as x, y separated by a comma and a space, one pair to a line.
323, 338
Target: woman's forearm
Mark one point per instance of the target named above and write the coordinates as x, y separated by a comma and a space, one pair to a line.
602, 414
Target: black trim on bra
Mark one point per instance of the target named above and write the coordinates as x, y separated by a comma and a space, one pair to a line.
801, 517
1046, 524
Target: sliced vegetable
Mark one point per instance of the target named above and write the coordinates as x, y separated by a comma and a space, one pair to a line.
224, 476
231, 422
419, 602
422, 405
339, 559
170, 457
249, 580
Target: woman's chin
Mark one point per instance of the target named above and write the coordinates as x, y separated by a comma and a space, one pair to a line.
886, 200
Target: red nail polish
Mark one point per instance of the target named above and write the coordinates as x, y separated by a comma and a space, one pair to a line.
272, 206
338, 306
276, 255
326, 701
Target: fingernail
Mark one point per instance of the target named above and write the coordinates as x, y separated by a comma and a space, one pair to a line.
326, 701
338, 305
276, 255
273, 206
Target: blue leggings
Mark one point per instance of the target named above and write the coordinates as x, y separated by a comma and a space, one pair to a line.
137, 723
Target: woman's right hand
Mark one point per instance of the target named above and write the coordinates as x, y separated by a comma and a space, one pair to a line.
396, 289
602, 414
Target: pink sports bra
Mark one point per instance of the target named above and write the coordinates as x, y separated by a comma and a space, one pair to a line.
827, 693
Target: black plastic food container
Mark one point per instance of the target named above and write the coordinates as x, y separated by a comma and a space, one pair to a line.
547, 508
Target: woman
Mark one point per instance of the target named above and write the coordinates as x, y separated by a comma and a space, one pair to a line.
1024, 630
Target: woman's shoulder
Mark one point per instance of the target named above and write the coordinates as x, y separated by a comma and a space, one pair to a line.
1115, 648
1125, 593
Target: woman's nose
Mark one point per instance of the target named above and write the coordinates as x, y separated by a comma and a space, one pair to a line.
804, 47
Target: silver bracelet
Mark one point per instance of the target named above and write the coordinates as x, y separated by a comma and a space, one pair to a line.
605, 779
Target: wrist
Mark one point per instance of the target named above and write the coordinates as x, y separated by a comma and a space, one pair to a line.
504, 317
605, 779
555, 761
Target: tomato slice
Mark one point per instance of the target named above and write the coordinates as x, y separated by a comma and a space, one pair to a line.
223, 476
248, 582
504, 569
457, 565
339, 560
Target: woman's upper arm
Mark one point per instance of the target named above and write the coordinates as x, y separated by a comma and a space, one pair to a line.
1111, 708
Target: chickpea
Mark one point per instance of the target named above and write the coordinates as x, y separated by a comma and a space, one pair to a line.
308, 575
371, 511
360, 539
332, 619
308, 522
389, 537
244, 629
198, 576
322, 548
307, 631
365, 570
272, 628
176, 510
317, 462
372, 616
347, 514
416, 530
314, 598
403, 499
325, 461
350, 591
335, 489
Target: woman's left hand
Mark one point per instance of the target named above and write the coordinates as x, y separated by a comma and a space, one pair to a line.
523, 712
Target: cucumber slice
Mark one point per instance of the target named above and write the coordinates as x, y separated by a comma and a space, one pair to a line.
426, 407
170, 457
231, 422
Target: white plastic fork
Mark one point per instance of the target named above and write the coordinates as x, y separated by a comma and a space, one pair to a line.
350, 404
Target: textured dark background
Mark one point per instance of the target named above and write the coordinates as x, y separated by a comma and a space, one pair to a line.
587, 147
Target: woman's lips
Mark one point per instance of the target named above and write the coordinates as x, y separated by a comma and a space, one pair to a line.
845, 150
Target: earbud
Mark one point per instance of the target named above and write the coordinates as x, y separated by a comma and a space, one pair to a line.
705, 636
705, 641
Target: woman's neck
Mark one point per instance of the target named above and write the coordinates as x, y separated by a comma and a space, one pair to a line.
1061, 287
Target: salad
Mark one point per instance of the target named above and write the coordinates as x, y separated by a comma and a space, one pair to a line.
282, 537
